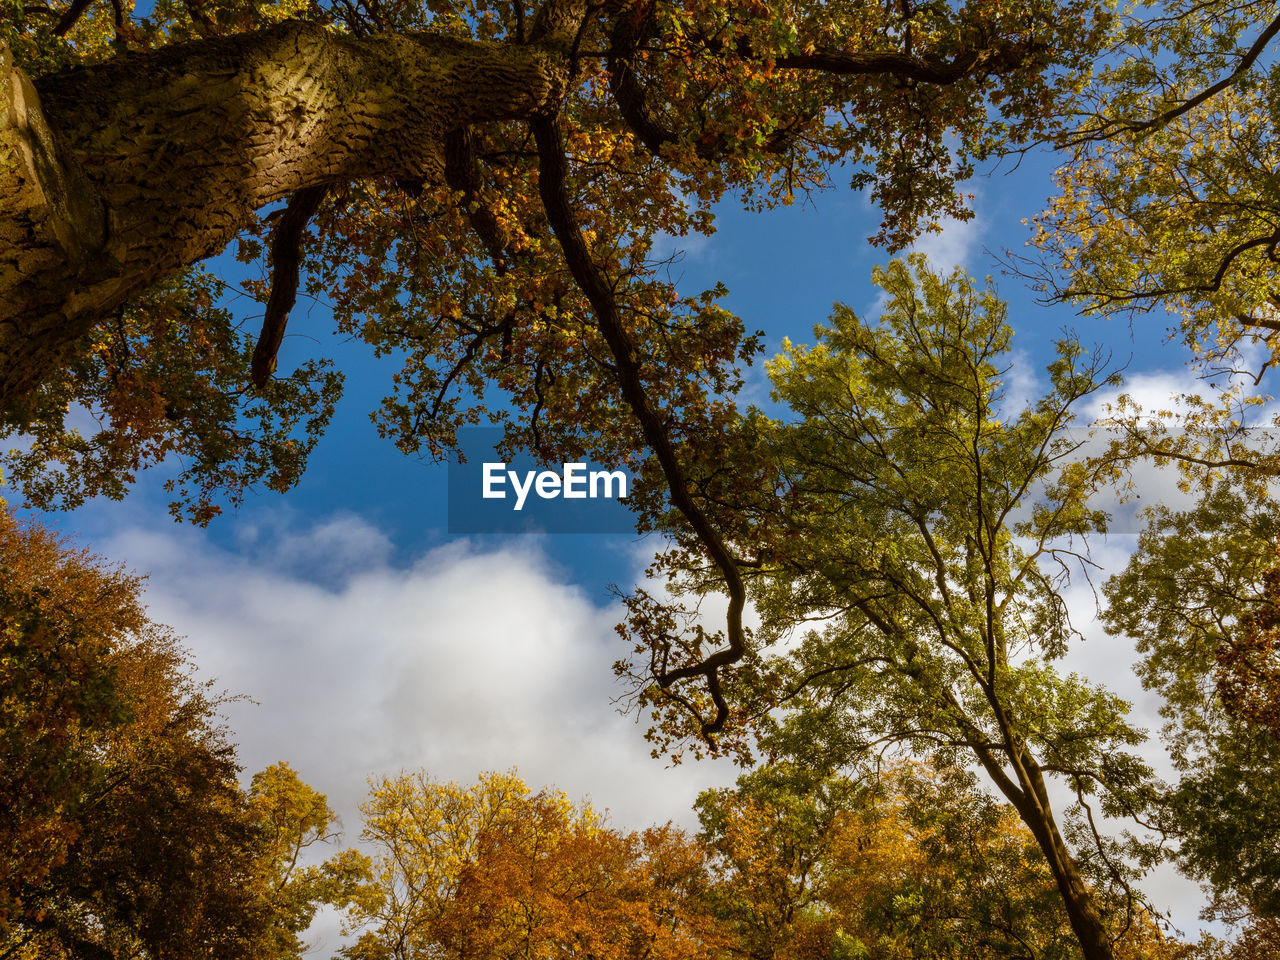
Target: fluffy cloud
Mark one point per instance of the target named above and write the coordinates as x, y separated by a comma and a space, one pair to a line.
955, 245
467, 660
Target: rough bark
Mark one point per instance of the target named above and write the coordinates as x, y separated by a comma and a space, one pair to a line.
116, 176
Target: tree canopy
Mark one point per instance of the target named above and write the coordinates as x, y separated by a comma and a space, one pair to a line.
478, 189
1166, 194
905, 862
1196, 594
496, 870
125, 831
911, 860
488, 212
905, 543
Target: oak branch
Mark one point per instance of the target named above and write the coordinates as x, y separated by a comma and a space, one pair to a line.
115, 176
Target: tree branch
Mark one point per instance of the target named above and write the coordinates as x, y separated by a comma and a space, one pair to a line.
904, 65
286, 254
460, 174
552, 177
68, 19
1246, 62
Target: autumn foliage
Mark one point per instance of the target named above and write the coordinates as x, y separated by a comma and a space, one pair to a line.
905, 863
903, 534
495, 870
1248, 661
125, 831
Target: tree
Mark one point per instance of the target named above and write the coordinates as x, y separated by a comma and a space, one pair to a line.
1167, 201
475, 185
768, 839
124, 831
56, 697
1166, 197
904, 538
493, 870
908, 861
929, 866
1191, 593
289, 817
1248, 663
902, 861
1259, 938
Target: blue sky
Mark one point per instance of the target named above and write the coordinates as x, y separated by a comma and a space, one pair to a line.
372, 641
783, 269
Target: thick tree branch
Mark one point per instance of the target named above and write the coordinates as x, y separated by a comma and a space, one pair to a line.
203, 23
286, 255
624, 37
116, 176
69, 19
461, 174
558, 23
629, 94
971, 62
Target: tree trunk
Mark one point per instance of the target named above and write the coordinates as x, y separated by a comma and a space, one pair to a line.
116, 176
1032, 804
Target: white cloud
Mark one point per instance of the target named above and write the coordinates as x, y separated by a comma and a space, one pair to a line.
1151, 391
954, 246
1158, 398
691, 247
1023, 384
468, 660
331, 551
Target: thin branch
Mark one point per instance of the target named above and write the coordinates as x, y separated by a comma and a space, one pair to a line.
552, 177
